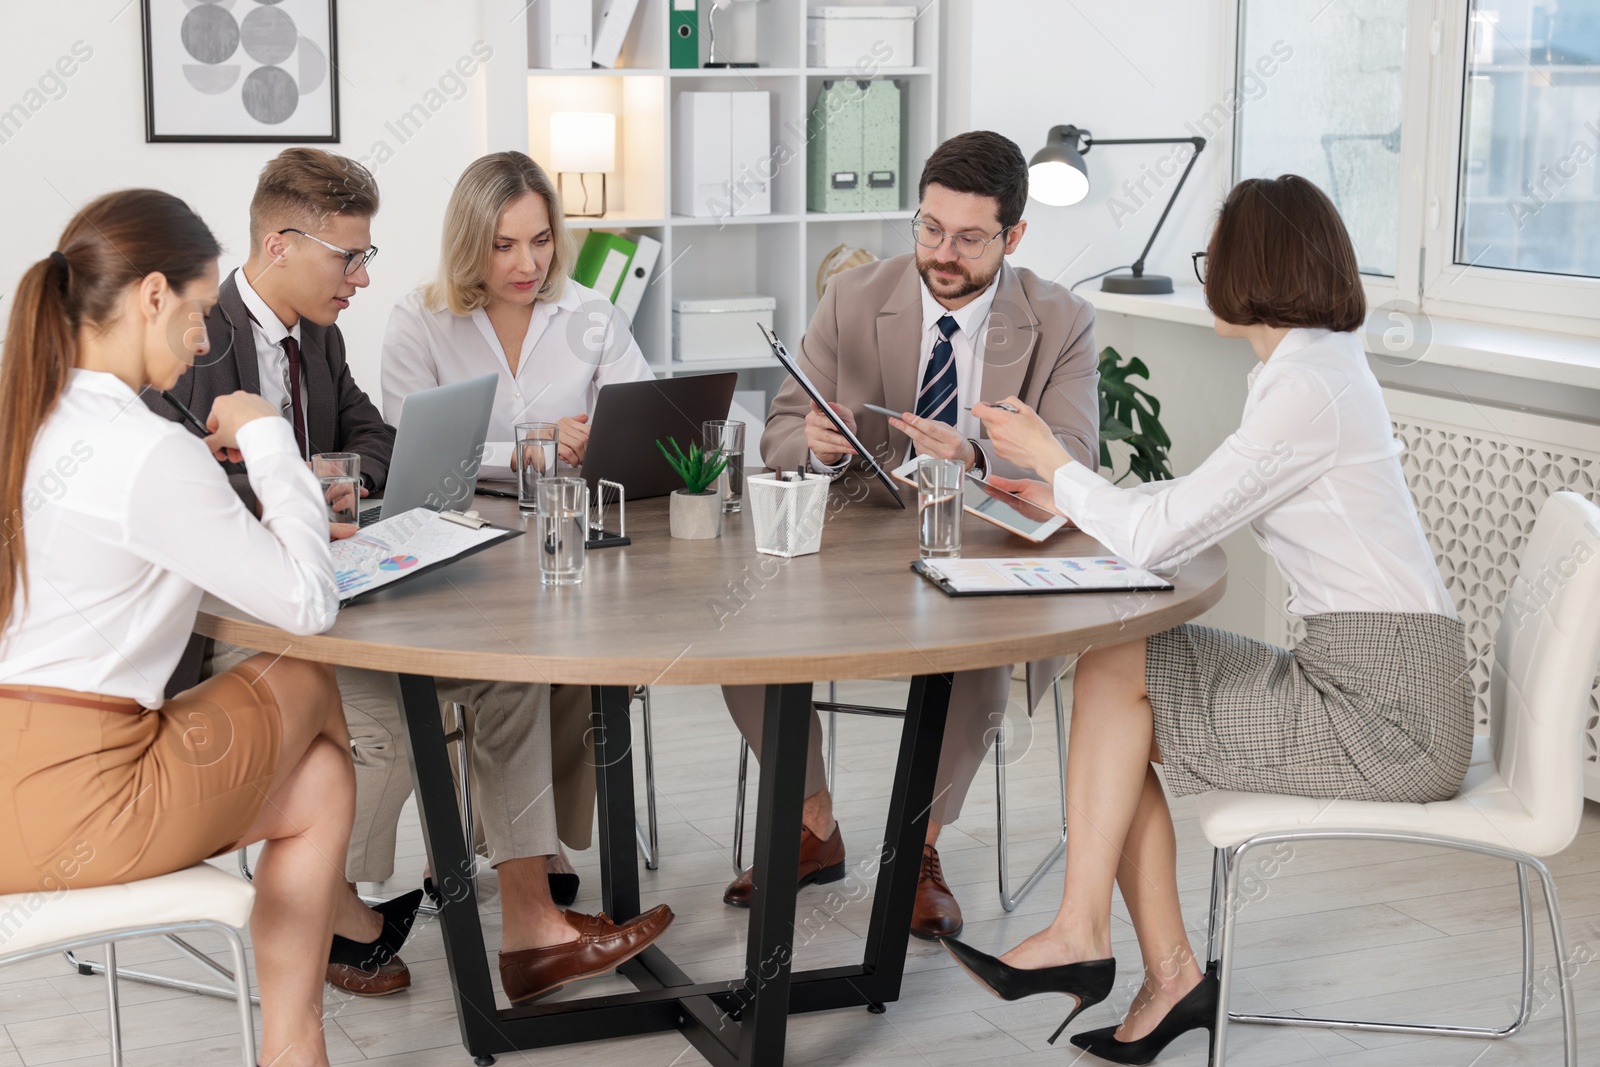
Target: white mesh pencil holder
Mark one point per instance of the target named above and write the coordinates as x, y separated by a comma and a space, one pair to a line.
788, 514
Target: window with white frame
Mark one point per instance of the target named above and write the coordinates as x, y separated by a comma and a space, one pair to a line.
1460, 140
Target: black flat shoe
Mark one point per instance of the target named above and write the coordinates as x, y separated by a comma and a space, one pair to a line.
398, 915
563, 888
1196, 1011
431, 891
1090, 981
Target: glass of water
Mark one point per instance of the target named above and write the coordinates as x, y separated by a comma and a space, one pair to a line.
729, 437
340, 475
939, 488
534, 455
562, 527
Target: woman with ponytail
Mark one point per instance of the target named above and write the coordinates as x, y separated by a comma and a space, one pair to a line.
113, 521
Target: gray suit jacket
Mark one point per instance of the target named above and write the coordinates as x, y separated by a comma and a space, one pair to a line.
339, 416
865, 342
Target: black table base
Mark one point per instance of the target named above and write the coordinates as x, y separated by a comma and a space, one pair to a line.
741, 1022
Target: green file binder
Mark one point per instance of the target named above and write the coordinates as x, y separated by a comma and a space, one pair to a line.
853, 161
684, 53
603, 263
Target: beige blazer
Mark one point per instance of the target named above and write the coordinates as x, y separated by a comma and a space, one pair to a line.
864, 345
865, 342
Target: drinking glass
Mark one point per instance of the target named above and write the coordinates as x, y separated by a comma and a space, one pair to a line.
534, 455
728, 436
939, 489
562, 526
340, 475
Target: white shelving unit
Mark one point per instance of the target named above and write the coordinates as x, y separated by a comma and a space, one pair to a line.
773, 255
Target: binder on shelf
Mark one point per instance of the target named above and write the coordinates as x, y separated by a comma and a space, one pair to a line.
854, 163
562, 34
611, 25
751, 160
603, 263
684, 51
636, 279
703, 130
722, 158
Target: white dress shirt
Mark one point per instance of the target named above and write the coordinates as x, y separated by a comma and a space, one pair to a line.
965, 349
566, 357
128, 519
271, 360
1313, 470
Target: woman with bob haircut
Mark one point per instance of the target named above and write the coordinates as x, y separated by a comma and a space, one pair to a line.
502, 303
1372, 704
117, 520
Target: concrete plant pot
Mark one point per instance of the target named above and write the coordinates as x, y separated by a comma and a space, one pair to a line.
695, 517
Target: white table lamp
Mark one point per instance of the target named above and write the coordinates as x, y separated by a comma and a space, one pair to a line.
583, 143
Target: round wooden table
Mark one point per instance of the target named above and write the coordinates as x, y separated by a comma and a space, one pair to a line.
670, 612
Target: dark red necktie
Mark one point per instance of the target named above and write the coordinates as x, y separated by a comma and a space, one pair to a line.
291, 348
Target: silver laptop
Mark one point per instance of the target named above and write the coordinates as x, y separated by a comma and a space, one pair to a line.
438, 448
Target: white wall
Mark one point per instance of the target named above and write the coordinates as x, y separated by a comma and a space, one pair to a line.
90, 139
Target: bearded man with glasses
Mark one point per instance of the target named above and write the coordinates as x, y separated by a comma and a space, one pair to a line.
929, 334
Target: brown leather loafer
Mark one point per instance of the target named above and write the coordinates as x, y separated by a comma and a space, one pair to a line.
821, 862
936, 913
391, 977
602, 946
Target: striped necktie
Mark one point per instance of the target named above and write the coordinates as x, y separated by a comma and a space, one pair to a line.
937, 400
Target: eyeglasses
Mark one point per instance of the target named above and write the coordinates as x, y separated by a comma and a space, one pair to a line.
967, 245
1199, 259
353, 261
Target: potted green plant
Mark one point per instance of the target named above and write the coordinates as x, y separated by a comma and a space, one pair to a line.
1132, 416
695, 511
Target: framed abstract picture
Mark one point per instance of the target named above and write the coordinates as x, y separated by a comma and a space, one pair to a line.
241, 70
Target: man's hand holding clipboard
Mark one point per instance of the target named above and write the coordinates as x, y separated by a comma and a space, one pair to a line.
823, 438
839, 423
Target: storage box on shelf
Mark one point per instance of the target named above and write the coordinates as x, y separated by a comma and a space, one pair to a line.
726, 253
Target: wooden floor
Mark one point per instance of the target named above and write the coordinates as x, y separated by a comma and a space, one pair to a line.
1407, 934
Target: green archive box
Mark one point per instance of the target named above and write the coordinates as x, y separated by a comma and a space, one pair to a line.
854, 146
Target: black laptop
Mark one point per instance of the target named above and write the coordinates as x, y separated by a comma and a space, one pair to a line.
630, 417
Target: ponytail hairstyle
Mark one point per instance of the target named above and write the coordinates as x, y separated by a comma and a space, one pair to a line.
113, 243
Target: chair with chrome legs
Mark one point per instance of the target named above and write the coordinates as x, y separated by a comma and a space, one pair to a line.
1008, 899
171, 906
1523, 794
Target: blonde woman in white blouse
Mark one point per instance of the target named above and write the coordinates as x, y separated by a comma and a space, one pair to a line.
1373, 704
502, 303
117, 521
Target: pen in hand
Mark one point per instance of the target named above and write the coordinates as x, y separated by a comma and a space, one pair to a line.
188, 416
1002, 407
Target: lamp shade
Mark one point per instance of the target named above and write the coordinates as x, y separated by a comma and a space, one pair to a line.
1057, 174
583, 142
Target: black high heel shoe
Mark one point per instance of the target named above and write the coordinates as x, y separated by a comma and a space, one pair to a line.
1090, 981
1196, 1011
398, 916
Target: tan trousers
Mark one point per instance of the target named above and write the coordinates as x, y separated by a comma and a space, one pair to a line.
532, 763
977, 708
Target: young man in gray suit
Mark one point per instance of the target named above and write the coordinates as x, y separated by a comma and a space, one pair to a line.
931, 333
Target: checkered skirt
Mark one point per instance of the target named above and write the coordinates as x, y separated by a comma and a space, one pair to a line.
1369, 706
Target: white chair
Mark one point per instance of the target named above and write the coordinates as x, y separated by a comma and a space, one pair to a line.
1523, 794
198, 898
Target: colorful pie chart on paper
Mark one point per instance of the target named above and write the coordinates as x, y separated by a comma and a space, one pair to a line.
398, 563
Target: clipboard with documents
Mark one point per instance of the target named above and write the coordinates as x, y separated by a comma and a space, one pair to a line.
411, 543
1024, 577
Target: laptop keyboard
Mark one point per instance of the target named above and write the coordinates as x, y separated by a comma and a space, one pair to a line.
371, 515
